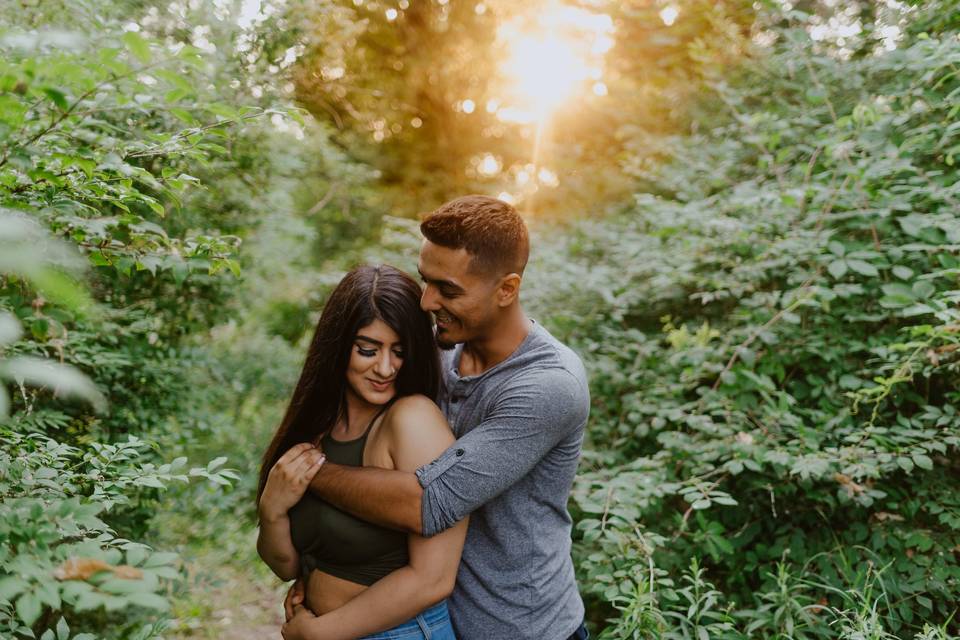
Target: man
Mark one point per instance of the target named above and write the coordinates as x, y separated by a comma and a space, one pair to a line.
517, 400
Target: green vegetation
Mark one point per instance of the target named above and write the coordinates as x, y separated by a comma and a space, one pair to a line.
752, 241
774, 366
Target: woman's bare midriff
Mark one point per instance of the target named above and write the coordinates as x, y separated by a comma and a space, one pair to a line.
325, 592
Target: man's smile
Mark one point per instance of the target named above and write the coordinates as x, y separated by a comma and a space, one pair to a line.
443, 319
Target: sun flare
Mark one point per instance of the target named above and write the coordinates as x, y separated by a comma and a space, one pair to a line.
546, 69
551, 59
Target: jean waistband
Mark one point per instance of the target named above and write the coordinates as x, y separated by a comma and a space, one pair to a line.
436, 613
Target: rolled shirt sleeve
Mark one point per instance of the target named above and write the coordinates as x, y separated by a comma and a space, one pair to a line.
534, 412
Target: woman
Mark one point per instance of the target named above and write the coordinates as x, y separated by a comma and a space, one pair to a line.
366, 397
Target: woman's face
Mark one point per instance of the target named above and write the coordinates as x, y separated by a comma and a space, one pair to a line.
375, 359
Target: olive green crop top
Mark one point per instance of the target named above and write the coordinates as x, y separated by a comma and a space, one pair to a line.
334, 541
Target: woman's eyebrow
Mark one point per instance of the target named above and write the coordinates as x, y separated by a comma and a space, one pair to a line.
370, 340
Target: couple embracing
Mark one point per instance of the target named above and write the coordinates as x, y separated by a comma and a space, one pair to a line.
419, 493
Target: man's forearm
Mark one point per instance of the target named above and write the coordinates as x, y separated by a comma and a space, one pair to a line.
383, 496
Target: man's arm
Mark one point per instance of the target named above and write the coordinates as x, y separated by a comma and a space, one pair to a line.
385, 497
528, 420
536, 411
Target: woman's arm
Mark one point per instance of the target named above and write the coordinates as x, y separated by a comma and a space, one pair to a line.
416, 433
276, 548
286, 484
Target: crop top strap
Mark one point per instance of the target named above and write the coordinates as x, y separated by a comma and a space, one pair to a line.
376, 417
360, 441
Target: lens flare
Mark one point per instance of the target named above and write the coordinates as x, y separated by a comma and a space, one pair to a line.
547, 69
551, 59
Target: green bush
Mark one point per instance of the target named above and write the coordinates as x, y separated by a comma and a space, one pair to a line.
771, 334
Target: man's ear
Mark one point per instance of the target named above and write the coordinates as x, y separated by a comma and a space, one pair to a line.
508, 289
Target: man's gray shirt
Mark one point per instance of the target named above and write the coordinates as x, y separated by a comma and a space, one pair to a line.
520, 429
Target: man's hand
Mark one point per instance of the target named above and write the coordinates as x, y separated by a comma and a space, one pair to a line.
297, 628
295, 597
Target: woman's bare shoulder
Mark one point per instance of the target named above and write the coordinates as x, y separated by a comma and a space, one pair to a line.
417, 430
415, 413
414, 402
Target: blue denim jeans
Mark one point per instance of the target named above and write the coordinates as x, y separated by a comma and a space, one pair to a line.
581, 633
430, 624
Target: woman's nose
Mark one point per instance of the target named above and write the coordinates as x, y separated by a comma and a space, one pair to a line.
385, 367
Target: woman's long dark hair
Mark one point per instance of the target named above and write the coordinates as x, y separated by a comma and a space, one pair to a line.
365, 294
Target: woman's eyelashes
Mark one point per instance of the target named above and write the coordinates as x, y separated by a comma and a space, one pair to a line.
369, 353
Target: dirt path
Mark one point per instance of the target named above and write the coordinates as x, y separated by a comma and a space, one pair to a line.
227, 604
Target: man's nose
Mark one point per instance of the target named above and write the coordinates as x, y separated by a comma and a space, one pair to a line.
428, 301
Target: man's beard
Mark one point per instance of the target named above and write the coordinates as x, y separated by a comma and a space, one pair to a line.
444, 345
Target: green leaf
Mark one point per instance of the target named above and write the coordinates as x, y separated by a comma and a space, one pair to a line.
137, 46
155, 206
61, 288
11, 586
97, 259
905, 463
837, 268
922, 461
63, 630
49, 594
148, 481
863, 268
898, 289
28, 608
56, 96
233, 265
176, 79
63, 379
904, 273
222, 110
160, 559
183, 115
923, 289
895, 302
119, 586
10, 329
836, 248
848, 381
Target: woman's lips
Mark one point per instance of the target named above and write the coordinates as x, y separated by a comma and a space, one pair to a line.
381, 386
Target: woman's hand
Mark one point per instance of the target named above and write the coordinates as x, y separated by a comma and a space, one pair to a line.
298, 627
295, 597
289, 479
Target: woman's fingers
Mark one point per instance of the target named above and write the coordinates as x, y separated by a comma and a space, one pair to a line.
305, 467
314, 468
294, 597
293, 453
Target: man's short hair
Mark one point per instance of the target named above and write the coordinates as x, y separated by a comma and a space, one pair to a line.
490, 230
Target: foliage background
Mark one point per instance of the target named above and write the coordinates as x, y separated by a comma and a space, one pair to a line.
751, 239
